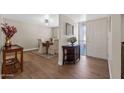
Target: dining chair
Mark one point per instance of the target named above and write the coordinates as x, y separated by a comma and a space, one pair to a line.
41, 49
53, 49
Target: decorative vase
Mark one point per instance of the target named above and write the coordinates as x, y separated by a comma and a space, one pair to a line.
72, 43
8, 42
72, 40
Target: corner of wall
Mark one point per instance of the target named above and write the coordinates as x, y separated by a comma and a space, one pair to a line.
110, 74
60, 63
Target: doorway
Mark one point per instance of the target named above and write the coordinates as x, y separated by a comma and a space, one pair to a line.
82, 39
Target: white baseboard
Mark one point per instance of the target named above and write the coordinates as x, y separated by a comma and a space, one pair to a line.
30, 49
98, 57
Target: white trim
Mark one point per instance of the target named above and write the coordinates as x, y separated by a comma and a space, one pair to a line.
60, 63
109, 60
110, 75
30, 49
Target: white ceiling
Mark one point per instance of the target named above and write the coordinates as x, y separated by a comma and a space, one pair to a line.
85, 17
77, 17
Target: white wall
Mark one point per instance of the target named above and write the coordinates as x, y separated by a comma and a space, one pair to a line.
55, 32
122, 34
34, 18
1, 39
0, 36
1, 44
63, 19
27, 33
114, 47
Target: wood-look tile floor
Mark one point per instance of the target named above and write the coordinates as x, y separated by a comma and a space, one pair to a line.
36, 67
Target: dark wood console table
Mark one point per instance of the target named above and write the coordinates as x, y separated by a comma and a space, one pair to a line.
71, 53
11, 60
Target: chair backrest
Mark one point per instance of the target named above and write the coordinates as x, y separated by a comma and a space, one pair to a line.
39, 42
56, 43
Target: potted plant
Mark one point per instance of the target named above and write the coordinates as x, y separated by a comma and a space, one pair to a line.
72, 40
9, 31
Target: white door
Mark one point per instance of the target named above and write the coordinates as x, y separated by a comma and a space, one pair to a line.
97, 38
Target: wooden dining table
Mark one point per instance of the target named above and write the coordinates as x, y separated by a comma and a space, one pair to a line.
47, 45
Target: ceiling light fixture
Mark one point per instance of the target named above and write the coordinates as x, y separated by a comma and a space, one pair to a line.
46, 17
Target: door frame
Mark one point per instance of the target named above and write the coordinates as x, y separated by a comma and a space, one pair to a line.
83, 23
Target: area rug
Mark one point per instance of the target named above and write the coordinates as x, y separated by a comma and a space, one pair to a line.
47, 56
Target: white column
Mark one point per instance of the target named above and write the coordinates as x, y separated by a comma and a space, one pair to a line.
60, 53
114, 47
